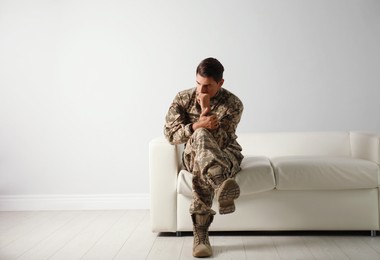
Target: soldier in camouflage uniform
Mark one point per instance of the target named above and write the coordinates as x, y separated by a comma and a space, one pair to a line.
205, 119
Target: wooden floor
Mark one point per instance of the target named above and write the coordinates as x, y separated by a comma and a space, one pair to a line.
125, 234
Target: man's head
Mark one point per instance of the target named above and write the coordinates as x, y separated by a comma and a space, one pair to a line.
209, 76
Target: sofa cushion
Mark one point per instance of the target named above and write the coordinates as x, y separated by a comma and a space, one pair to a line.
256, 176
324, 173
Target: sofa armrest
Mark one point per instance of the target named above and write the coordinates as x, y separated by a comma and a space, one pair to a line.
163, 171
365, 146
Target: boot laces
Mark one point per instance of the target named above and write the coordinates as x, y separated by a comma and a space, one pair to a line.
201, 235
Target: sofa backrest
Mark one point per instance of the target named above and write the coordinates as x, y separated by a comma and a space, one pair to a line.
295, 143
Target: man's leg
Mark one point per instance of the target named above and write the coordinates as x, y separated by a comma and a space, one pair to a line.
212, 166
203, 194
202, 215
204, 158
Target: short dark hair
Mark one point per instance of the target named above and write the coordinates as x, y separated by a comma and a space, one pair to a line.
211, 67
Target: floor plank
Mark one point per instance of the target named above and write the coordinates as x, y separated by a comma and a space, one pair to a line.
29, 240
113, 240
139, 243
373, 242
168, 248
356, 248
9, 220
126, 234
24, 227
291, 247
260, 247
228, 247
187, 249
324, 248
88, 237
56, 241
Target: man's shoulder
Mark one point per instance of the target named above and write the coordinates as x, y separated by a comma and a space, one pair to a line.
231, 97
186, 95
186, 92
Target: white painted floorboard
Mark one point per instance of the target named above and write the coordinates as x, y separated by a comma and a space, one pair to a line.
126, 234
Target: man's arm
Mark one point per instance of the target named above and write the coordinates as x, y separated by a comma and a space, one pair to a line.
178, 127
228, 123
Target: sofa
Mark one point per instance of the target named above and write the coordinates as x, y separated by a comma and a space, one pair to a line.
289, 181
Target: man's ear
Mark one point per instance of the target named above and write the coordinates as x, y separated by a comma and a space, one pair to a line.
221, 83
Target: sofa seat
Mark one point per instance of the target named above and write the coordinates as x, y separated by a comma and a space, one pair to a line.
256, 176
324, 173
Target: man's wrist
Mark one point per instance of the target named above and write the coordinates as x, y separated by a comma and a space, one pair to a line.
192, 126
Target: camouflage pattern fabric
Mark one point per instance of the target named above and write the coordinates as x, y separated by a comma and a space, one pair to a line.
210, 155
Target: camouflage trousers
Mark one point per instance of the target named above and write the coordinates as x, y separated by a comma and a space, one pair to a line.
210, 166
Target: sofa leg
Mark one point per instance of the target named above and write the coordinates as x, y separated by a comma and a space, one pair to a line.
373, 233
178, 233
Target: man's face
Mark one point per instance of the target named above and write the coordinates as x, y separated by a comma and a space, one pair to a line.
208, 85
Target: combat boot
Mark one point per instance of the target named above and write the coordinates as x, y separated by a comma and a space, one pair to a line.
226, 193
201, 245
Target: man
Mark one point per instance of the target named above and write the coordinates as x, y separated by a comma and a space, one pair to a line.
205, 119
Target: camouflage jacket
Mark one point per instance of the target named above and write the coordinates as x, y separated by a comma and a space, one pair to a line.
185, 110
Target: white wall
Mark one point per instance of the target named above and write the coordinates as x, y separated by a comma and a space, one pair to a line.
84, 85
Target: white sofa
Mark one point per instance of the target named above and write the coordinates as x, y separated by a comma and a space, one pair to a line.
289, 181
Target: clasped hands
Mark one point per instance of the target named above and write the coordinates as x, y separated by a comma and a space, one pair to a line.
206, 120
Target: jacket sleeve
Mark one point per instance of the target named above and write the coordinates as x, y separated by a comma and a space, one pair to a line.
228, 123
178, 127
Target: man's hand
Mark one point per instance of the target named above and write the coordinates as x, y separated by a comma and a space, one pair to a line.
209, 122
204, 101
205, 120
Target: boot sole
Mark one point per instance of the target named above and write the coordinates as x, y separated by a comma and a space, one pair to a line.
203, 254
230, 191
